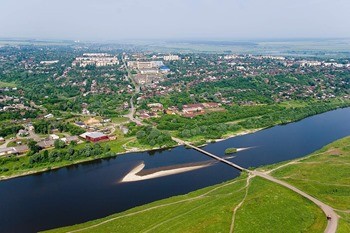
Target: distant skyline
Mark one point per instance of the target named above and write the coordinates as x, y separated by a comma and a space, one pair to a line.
113, 20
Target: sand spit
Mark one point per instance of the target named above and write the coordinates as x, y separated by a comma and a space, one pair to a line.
138, 174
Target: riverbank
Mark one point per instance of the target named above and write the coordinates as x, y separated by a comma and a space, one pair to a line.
100, 194
234, 203
121, 149
63, 164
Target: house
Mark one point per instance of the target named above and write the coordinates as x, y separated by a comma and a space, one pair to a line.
94, 136
80, 124
144, 116
70, 139
192, 108
155, 107
7, 151
54, 137
14, 150
21, 149
106, 120
211, 105
46, 143
23, 133
48, 116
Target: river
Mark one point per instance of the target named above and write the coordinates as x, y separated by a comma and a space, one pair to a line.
92, 190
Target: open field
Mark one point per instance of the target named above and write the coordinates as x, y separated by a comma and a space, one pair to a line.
248, 204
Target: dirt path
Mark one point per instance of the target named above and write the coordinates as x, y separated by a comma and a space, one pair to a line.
241, 203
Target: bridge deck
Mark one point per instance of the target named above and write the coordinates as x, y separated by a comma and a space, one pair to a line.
217, 157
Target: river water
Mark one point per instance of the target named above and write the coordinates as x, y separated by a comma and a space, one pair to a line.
92, 190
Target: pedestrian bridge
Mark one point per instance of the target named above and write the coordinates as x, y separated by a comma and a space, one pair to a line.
211, 155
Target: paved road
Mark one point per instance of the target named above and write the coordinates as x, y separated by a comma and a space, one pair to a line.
5, 144
329, 211
132, 110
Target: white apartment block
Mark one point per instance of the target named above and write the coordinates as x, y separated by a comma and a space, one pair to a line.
171, 58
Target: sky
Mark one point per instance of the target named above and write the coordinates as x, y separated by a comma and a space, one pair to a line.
174, 19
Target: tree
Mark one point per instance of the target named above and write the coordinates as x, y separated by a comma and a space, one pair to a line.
33, 146
58, 144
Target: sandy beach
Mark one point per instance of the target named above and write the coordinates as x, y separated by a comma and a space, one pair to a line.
134, 176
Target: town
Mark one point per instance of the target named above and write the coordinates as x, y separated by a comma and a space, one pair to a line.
81, 95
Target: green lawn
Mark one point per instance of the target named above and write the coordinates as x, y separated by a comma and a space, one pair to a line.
120, 120
117, 145
14, 143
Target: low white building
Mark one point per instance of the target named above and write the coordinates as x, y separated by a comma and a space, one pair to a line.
48, 116
54, 137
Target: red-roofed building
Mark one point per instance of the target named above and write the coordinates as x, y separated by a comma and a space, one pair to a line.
95, 136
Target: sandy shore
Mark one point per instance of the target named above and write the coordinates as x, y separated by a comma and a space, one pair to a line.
238, 134
242, 149
134, 176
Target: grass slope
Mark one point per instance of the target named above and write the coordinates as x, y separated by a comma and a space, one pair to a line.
267, 206
325, 174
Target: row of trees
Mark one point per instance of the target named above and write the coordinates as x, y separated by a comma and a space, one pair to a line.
69, 153
209, 132
45, 127
215, 125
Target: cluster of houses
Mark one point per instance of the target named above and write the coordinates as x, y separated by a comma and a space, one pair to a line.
96, 59
188, 110
12, 102
49, 142
14, 150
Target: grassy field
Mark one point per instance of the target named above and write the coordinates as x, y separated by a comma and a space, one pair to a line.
5, 84
255, 205
325, 174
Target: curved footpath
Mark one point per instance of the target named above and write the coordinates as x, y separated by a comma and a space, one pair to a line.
332, 223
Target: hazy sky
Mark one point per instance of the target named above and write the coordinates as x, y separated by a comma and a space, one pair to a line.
174, 19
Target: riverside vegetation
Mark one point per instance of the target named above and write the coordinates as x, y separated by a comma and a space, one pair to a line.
203, 129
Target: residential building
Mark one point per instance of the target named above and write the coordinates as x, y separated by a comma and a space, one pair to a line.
171, 58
